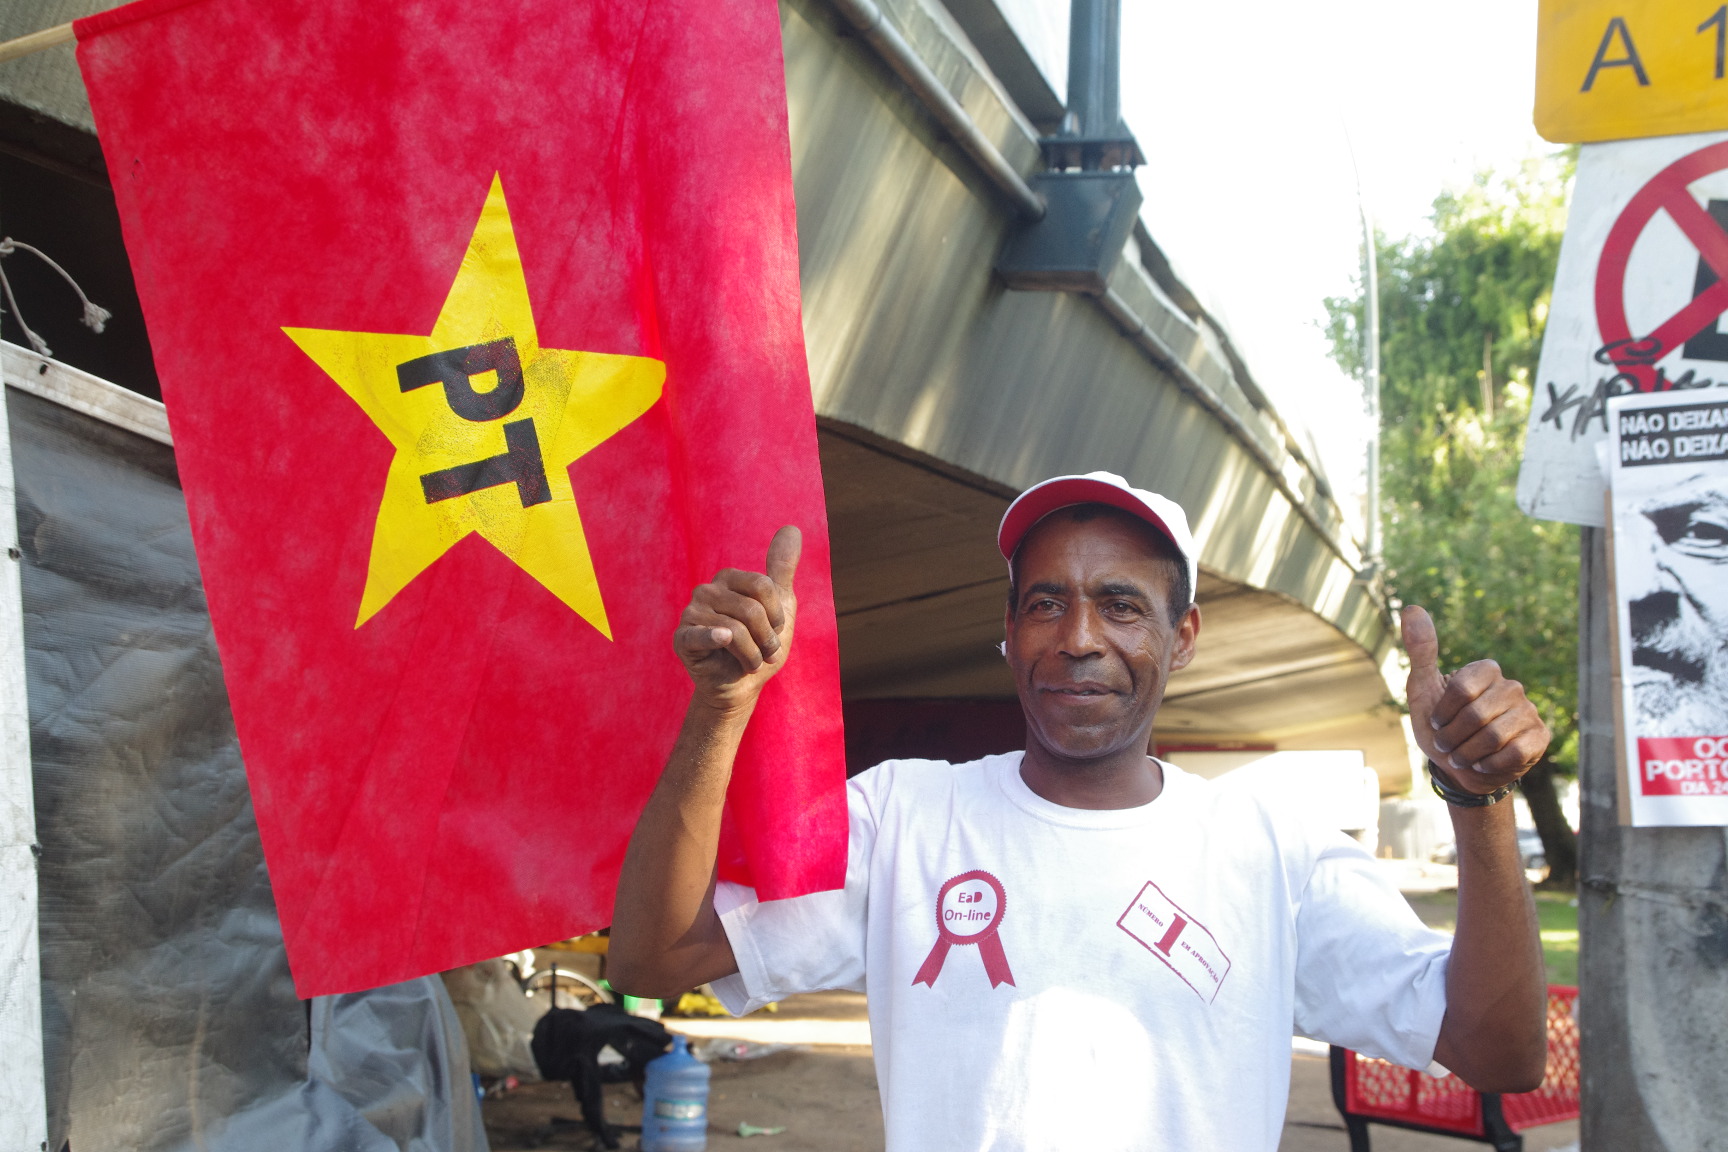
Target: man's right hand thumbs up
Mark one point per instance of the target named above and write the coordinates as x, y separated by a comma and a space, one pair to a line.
736, 632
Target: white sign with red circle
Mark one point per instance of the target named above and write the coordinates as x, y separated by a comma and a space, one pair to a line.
1639, 304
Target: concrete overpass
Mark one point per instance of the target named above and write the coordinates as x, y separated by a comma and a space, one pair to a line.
940, 392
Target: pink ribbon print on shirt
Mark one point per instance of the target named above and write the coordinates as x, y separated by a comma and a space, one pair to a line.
969, 911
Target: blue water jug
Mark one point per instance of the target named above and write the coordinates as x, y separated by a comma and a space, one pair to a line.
675, 1102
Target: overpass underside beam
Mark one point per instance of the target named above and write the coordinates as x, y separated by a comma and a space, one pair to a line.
941, 393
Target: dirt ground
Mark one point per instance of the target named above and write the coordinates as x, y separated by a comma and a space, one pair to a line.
825, 1096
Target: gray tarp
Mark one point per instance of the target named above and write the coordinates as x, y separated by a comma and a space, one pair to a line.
169, 1019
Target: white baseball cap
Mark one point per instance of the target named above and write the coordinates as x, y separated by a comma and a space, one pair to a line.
1042, 499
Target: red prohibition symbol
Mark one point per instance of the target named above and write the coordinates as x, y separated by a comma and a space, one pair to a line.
1636, 356
962, 919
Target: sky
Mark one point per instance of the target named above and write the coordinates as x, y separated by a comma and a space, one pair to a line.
1248, 113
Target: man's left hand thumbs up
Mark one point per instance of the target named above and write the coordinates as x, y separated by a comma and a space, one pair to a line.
1475, 723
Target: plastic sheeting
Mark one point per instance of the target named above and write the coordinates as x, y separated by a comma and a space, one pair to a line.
497, 1020
169, 1018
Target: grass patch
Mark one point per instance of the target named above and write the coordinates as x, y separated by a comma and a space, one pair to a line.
1556, 915
1437, 909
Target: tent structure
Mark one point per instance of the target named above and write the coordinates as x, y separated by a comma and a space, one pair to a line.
133, 879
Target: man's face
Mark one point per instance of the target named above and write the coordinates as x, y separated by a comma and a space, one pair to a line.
1090, 641
1679, 606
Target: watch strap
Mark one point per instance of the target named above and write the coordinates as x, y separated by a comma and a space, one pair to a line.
1447, 789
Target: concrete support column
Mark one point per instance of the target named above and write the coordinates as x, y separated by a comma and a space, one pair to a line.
1653, 919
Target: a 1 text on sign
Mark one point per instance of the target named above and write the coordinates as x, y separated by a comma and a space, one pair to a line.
1618, 69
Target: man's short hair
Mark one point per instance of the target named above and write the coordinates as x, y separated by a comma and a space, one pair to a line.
1181, 592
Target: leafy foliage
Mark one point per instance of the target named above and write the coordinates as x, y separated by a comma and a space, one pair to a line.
1462, 312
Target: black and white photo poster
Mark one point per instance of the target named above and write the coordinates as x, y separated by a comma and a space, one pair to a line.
1668, 497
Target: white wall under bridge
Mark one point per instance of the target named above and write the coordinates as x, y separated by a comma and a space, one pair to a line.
941, 394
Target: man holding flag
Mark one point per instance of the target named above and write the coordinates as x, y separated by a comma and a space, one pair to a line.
1080, 945
451, 377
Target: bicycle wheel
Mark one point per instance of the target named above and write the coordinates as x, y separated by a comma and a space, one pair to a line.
574, 990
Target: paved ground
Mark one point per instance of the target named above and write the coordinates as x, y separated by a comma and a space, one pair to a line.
1312, 1124
824, 1094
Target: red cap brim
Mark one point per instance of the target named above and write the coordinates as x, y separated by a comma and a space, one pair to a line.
1038, 502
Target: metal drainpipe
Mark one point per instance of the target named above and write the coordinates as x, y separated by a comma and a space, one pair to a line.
1093, 137
880, 33
1094, 79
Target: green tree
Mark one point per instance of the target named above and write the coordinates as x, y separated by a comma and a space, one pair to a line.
1462, 311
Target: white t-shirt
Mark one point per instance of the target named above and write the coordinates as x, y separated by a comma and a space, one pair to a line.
1123, 979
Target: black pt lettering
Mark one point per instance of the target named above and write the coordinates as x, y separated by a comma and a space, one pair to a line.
456, 369
520, 465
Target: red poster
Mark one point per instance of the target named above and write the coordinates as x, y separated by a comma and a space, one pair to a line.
1683, 766
478, 328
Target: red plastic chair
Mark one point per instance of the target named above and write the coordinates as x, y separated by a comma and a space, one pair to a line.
1367, 1090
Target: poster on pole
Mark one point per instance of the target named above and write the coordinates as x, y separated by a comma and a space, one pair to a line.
1668, 536
1640, 293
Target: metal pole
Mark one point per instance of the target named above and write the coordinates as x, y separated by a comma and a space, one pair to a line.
1094, 56
1371, 378
1652, 920
1370, 368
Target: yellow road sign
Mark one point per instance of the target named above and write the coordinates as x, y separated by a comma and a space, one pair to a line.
1617, 69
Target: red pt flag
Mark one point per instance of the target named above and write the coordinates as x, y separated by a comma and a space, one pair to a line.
478, 329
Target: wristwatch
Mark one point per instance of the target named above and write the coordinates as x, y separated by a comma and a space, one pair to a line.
1447, 790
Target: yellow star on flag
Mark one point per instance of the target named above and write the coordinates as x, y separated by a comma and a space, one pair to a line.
485, 423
